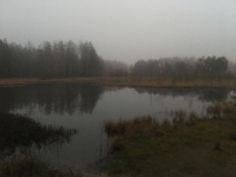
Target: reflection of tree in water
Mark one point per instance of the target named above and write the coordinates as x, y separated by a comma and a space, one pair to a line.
22, 132
214, 95
89, 95
66, 98
166, 91
203, 94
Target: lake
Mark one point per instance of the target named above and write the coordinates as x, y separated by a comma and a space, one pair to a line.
87, 107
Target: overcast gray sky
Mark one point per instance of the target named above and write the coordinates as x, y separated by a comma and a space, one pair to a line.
126, 30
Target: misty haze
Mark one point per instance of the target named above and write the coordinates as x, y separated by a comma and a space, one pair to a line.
117, 88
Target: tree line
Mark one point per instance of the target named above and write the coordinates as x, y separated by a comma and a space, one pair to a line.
67, 59
58, 59
210, 67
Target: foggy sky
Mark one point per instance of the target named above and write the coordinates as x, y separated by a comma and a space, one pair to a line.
126, 30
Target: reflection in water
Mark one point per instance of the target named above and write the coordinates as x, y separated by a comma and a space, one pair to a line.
22, 132
87, 107
213, 95
209, 95
51, 98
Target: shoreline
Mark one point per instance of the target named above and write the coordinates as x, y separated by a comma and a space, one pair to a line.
121, 82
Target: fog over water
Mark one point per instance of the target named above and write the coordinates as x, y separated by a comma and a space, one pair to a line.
126, 30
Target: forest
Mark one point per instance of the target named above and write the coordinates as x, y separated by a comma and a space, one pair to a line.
68, 59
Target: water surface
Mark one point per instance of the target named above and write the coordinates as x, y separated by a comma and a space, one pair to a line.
87, 107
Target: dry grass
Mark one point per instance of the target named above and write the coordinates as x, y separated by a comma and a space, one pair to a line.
124, 82
221, 109
196, 148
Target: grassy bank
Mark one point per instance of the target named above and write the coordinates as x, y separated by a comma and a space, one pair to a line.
196, 148
27, 166
124, 82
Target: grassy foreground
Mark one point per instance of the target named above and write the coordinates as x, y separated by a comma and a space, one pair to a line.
27, 166
123, 82
196, 148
